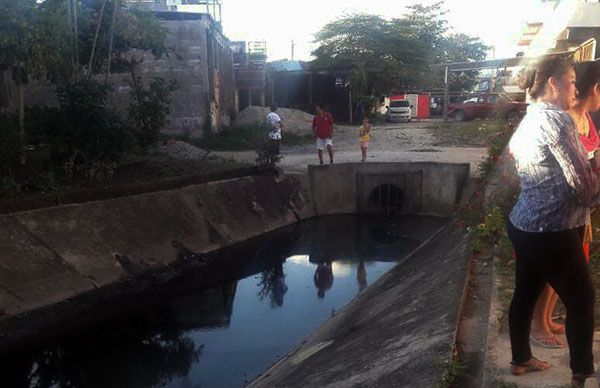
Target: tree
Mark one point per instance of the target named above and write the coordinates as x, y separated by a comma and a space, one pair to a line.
376, 55
20, 50
380, 56
431, 26
117, 38
462, 48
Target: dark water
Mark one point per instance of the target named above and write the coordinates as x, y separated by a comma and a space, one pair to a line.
285, 284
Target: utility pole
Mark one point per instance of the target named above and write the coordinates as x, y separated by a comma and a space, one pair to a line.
446, 93
293, 46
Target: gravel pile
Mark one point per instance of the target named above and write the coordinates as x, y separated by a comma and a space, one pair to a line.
181, 150
294, 121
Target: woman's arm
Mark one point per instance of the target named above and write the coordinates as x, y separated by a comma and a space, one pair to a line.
571, 156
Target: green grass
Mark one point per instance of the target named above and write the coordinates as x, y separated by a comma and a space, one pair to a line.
466, 133
244, 138
453, 369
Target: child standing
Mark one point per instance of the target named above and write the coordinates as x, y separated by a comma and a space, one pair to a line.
365, 136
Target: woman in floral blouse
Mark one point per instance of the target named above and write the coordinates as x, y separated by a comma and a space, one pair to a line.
558, 187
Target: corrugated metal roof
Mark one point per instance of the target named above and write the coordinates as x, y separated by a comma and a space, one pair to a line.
285, 65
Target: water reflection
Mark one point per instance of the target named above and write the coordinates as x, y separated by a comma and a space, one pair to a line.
323, 278
144, 351
225, 335
361, 275
272, 285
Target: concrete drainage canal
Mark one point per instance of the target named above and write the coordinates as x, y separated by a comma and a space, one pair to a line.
222, 329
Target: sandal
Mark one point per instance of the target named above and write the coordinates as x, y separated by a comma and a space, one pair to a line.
533, 365
578, 379
548, 342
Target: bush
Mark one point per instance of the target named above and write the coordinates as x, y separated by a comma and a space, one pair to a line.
369, 104
149, 109
234, 138
84, 135
265, 156
249, 137
9, 143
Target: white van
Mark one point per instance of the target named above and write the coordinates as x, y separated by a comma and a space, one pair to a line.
398, 110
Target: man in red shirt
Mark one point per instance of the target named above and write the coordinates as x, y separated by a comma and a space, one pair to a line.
323, 130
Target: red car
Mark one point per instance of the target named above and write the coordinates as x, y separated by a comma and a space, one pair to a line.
488, 105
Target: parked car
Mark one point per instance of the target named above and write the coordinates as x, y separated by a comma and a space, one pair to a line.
398, 110
488, 105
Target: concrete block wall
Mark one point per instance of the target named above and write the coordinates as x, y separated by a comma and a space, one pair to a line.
187, 63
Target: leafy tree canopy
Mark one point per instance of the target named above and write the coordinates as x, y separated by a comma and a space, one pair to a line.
380, 56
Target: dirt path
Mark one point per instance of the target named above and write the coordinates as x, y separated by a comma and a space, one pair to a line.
398, 142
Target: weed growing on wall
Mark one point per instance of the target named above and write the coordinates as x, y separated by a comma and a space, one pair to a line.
487, 213
453, 369
495, 148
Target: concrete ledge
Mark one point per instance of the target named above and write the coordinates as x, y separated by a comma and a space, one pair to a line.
12, 205
396, 333
430, 188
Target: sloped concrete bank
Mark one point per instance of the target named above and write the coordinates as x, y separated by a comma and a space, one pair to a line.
68, 252
396, 333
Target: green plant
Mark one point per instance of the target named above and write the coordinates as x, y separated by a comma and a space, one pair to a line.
489, 230
48, 183
246, 137
83, 133
369, 103
9, 143
265, 156
149, 109
453, 369
9, 186
495, 146
237, 138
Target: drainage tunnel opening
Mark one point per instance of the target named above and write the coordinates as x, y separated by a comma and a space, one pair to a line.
386, 200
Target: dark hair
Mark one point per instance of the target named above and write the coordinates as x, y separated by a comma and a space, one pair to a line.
535, 77
274, 106
588, 74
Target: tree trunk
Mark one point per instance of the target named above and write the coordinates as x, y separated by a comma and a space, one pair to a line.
91, 63
76, 28
70, 25
110, 39
21, 89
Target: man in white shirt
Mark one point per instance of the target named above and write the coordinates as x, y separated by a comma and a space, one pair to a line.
274, 124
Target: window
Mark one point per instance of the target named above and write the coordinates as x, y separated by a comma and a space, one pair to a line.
399, 104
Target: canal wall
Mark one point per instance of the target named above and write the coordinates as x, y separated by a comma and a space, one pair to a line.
55, 254
398, 332
59, 263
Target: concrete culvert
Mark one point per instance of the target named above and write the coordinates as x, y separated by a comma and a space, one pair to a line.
386, 200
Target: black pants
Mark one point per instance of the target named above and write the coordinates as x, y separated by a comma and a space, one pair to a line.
274, 146
556, 258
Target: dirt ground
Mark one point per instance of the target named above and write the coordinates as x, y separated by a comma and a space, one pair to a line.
426, 140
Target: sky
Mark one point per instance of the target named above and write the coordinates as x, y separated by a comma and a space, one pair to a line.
497, 23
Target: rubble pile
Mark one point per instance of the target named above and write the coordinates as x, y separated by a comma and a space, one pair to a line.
294, 121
